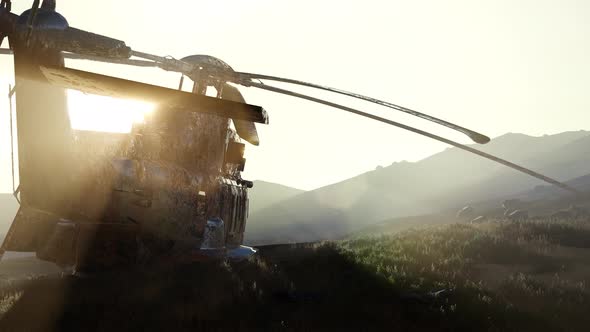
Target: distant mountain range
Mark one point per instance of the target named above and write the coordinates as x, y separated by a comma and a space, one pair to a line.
8, 208
265, 194
444, 181
542, 200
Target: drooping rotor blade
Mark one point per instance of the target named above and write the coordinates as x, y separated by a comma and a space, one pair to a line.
166, 63
418, 131
79, 41
475, 136
180, 66
220, 67
173, 99
118, 61
245, 129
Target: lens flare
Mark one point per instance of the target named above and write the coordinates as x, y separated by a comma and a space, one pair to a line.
106, 114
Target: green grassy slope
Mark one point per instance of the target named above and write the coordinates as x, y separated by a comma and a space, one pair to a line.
488, 277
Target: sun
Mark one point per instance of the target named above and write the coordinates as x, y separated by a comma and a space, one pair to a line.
106, 114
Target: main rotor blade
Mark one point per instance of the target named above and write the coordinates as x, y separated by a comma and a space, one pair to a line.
224, 72
475, 136
417, 131
118, 61
185, 68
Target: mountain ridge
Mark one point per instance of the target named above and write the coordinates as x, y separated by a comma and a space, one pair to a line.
444, 179
8, 209
265, 193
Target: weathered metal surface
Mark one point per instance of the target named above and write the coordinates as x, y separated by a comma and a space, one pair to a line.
80, 42
99, 200
39, 19
7, 20
162, 198
44, 141
45, 28
231, 203
44, 133
103, 246
194, 141
246, 129
234, 154
169, 99
208, 62
91, 246
30, 230
60, 246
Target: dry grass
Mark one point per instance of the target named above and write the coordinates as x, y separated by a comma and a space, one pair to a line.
493, 277
538, 268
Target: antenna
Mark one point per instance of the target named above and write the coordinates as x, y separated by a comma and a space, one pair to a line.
48, 4
10, 94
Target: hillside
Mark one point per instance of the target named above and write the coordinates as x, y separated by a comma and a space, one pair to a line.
8, 208
445, 180
565, 163
487, 277
265, 194
541, 201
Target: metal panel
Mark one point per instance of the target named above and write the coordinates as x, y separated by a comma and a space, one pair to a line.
172, 99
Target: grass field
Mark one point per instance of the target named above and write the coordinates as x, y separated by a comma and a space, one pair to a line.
488, 277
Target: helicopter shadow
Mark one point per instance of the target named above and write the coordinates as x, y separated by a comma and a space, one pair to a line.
295, 287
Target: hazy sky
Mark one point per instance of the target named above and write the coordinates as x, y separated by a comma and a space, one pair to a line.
492, 66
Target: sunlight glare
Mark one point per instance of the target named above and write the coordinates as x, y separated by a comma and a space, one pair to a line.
107, 114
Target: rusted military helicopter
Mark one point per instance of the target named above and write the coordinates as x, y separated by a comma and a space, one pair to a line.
172, 189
